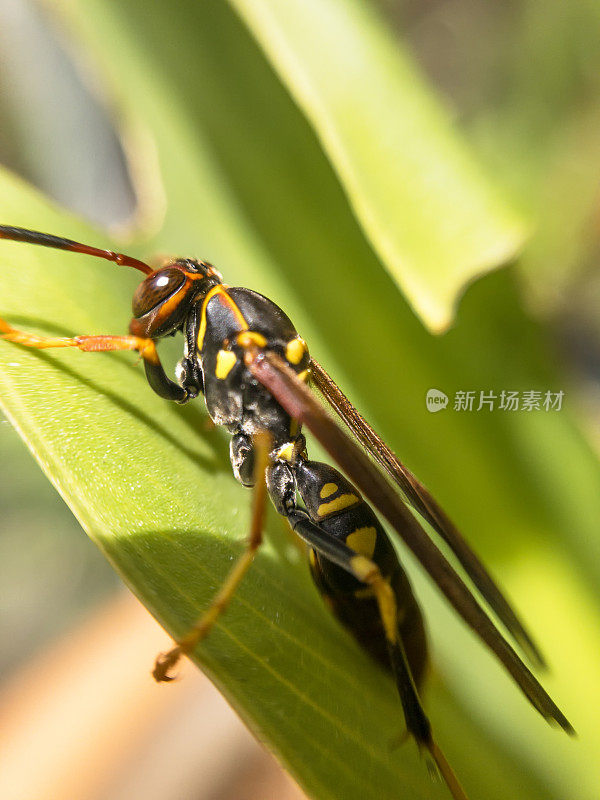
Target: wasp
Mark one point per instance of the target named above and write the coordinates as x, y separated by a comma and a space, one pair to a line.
243, 354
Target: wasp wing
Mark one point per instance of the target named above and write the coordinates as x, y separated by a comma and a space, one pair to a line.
422, 501
297, 399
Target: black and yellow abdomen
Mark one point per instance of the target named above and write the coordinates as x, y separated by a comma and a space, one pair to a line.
335, 505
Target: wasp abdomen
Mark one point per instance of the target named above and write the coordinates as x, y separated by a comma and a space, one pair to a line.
336, 506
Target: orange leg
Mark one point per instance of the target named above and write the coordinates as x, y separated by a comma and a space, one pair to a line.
155, 373
166, 661
90, 344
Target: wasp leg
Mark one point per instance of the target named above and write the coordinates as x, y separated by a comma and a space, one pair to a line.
166, 661
368, 572
155, 373
416, 718
243, 456
363, 569
189, 371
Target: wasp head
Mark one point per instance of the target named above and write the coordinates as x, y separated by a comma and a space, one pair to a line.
162, 302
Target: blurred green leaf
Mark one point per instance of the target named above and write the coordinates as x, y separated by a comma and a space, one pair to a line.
248, 186
524, 78
403, 167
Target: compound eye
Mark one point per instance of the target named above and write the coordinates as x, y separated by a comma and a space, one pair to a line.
156, 289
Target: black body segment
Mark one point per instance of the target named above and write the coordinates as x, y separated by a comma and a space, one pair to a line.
334, 503
229, 319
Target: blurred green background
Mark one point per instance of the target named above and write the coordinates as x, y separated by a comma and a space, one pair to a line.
187, 128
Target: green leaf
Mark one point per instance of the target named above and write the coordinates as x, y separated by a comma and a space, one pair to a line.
429, 212
248, 186
534, 70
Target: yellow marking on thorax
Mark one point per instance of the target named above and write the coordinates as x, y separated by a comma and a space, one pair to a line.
226, 360
295, 350
327, 489
363, 541
286, 451
339, 504
226, 300
248, 338
304, 376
